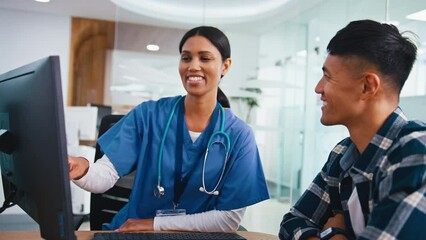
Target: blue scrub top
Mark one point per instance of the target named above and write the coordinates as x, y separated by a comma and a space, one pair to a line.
134, 143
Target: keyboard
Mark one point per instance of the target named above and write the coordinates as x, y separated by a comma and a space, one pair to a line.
166, 235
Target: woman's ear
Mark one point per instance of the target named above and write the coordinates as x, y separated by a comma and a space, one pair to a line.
371, 84
226, 65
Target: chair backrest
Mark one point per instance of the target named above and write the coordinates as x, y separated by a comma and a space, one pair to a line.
104, 206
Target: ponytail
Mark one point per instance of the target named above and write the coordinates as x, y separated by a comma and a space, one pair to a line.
222, 99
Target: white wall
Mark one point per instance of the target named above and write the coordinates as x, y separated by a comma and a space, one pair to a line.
245, 55
26, 37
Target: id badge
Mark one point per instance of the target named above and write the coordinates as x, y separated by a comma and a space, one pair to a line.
170, 212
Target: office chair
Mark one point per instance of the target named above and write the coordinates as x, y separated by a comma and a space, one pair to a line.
104, 206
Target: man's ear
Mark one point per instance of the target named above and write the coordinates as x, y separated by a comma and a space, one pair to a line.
226, 65
371, 84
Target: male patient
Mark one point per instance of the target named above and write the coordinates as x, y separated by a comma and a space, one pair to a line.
373, 184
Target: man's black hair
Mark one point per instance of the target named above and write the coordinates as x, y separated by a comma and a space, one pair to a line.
380, 44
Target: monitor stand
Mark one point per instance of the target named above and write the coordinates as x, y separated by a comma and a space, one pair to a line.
7, 143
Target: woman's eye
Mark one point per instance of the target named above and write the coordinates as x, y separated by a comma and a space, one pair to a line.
184, 58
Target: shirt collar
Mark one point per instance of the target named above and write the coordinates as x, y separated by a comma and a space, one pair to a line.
380, 143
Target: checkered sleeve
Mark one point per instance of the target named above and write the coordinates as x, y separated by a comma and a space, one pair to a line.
313, 209
399, 210
309, 213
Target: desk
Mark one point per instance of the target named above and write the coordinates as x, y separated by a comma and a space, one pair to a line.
87, 235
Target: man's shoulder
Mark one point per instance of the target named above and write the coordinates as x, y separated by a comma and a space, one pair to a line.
411, 141
413, 133
412, 127
403, 166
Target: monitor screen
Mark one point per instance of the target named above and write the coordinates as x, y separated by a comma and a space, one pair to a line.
33, 150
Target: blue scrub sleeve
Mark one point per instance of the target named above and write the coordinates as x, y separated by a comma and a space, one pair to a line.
121, 143
245, 184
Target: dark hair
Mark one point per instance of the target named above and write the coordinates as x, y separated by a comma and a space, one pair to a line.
380, 44
220, 41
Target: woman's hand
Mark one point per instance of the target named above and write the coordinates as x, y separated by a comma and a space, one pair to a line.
133, 225
78, 167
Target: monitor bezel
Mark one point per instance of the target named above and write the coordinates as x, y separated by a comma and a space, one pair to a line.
32, 110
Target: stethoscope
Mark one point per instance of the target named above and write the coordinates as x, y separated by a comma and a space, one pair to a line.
160, 189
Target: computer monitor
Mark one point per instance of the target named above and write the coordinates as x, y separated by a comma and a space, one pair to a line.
33, 147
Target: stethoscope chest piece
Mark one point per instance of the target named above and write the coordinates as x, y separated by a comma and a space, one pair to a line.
159, 191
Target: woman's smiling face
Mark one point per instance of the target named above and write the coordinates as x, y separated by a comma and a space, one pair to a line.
201, 67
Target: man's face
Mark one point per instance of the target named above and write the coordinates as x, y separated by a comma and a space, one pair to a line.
340, 88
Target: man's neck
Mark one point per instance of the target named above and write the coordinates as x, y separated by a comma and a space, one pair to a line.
365, 128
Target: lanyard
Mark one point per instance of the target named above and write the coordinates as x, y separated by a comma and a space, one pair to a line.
181, 182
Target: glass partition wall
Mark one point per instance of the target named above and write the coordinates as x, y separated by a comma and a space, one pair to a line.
271, 82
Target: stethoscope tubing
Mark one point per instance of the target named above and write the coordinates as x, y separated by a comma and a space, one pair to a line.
160, 157
210, 142
204, 189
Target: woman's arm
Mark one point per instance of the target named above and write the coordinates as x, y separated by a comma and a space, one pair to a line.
210, 221
100, 177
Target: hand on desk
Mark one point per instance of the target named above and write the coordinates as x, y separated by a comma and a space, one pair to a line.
132, 225
337, 221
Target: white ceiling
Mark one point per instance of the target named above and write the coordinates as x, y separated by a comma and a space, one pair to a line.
253, 16
198, 11
98, 9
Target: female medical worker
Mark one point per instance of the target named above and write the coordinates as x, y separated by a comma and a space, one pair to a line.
178, 184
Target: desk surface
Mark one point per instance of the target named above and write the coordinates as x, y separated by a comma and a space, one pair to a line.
87, 235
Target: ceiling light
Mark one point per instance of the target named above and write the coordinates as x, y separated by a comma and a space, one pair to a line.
152, 47
420, 15
218, 11
43, 1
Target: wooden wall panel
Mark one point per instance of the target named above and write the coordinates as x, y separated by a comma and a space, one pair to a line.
90, 40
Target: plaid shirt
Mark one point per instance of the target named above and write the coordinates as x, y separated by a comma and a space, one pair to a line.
390, 176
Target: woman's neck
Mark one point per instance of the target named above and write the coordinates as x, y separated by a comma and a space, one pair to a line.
198, 113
